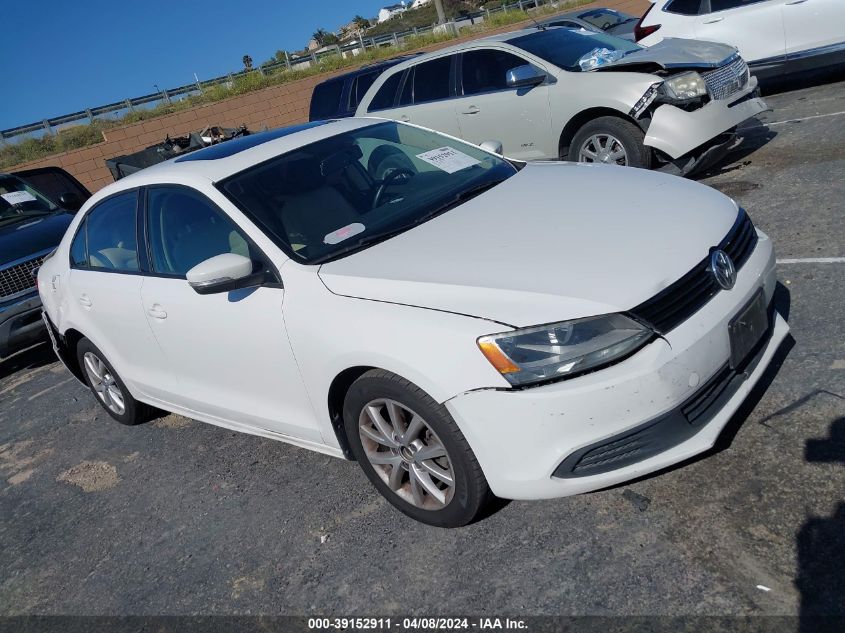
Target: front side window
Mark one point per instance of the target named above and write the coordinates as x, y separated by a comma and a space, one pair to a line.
185, 228
360, 87
486, 70
111, 231
357, 188
431, 80
565, 47
326, 100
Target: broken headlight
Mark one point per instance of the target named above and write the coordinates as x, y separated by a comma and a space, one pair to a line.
685, 86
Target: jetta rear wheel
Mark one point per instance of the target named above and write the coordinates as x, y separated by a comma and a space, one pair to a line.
413, 452
108, 388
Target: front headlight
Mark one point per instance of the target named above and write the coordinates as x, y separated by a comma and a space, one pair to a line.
558, 350
685, 86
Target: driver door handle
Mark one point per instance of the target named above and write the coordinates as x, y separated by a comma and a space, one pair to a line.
85, 301
713, 21
471, 110
157, 312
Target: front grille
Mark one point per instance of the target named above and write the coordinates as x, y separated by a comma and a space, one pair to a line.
18, 279
690, 293
726, 81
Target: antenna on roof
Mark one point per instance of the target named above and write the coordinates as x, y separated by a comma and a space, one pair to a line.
540, 27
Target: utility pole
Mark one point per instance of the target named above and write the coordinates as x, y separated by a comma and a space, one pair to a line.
441, 15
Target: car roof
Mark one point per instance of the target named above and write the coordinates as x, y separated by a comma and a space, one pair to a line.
366, 68
212, 164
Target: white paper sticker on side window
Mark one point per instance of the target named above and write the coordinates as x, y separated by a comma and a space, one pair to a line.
336, 237
448, 159
16, 197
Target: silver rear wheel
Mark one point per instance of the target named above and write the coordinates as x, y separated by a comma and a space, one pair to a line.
104, 384
406, 454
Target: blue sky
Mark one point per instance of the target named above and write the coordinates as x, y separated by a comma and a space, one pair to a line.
58, 57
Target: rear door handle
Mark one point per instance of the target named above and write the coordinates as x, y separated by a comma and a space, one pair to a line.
157, 312
85, 301
472, 110
713, 21
405, 118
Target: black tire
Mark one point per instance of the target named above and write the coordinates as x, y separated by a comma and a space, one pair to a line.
134, 412
629, 135
471, 493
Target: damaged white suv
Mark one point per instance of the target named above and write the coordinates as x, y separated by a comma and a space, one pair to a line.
553, 93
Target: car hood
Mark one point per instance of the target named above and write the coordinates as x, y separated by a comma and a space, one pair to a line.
32, 235
556, 241
674, 52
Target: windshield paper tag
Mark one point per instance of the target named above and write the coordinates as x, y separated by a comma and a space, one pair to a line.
17, 197
448, 159
336, 237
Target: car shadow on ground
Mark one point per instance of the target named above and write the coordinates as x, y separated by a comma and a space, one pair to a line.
31, 358
752, 137
820, 547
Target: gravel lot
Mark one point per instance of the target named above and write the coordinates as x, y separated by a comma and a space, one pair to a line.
180, 517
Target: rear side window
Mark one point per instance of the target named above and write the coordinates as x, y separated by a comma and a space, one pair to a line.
360, 87
431, 80
79, 249
486, 70
684, 7
326, 100
111, 229
186, 228
723, 5
386, 95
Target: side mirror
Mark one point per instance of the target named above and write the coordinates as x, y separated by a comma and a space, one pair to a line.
494, 147
71, 201
525, 76
224, 273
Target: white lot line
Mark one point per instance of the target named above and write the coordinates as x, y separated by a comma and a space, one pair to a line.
805, 118
813, 260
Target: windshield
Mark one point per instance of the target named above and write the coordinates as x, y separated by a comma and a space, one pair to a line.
19, 201
355, 189
605, 19
565, 47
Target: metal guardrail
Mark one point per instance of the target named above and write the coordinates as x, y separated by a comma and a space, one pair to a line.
289, 63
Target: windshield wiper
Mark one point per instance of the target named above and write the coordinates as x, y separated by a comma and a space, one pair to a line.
375, 238
23, 216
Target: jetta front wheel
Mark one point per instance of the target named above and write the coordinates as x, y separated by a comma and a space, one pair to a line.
413, 452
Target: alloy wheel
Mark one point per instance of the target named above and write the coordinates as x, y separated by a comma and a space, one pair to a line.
603, 148
406, 454
104, 383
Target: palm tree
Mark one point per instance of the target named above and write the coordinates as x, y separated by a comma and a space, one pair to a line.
320, 36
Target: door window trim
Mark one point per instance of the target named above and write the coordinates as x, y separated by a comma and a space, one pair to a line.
143, 217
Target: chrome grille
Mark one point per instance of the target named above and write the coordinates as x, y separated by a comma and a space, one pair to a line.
726, 81
17, 279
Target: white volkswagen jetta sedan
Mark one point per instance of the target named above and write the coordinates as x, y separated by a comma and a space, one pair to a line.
459, 327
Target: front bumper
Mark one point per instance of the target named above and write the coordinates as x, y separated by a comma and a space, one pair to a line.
20, 324
522, 438
676, 132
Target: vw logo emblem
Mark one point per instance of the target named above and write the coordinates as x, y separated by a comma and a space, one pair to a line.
723, 269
